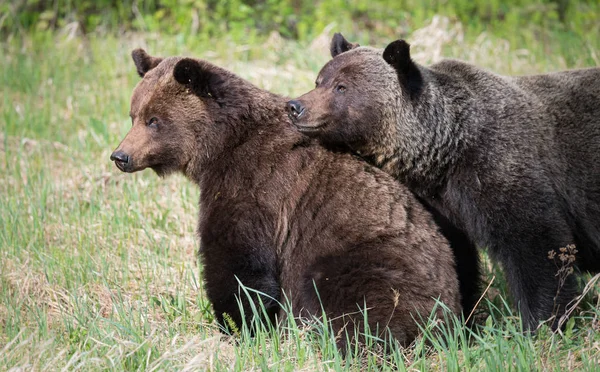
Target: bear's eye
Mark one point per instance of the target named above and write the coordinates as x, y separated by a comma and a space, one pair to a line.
153, 122
340, 88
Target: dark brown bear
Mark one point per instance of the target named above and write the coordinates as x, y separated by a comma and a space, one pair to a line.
283, 215
512, 161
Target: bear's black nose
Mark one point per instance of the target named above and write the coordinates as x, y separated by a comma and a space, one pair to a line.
119, 156
295, 109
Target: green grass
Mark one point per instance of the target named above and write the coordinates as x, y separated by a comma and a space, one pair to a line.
98, 268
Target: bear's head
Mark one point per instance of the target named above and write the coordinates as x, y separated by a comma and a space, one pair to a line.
175, 110
358, 97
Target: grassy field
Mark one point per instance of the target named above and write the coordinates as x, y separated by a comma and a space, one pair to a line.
98, 269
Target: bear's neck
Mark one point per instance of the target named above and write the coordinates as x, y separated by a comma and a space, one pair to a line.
432, 134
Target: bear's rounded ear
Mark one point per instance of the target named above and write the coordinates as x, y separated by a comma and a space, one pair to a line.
339, 45
198, 78
397, 54
143, 61
186, 71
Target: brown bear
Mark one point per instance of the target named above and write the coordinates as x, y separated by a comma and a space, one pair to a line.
280, 213
514, 161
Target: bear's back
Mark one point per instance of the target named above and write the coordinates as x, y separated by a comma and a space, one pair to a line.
572, 96
355, 220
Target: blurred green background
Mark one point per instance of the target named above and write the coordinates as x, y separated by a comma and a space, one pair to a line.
559, 26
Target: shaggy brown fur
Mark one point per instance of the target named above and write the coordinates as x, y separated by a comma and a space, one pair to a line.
281, 214
513, 161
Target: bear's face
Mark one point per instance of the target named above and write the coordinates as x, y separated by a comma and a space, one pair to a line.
356, 101
171, 115
347, 102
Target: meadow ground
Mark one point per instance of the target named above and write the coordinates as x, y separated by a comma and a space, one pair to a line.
98, 269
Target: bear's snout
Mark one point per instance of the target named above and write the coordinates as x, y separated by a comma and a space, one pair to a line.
295, 109
121, 160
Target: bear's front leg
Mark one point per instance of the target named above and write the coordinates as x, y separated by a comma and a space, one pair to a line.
539, 273
224, 268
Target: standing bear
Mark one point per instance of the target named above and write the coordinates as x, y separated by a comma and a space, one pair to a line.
281, 214
514, 161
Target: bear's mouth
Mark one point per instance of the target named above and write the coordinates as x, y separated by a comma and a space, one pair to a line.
311, 128
128, 167
121, 165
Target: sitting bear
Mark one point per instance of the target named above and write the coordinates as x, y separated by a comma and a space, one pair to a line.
281, 214
513, 161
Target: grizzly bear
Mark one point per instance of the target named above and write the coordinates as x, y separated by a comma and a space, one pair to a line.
514, 161
281, 214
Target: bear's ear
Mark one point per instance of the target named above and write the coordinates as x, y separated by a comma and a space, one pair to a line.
339, 45
198, 78
143, 61
397, 54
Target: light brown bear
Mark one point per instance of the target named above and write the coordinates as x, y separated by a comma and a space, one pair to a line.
281, 214
514, 161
